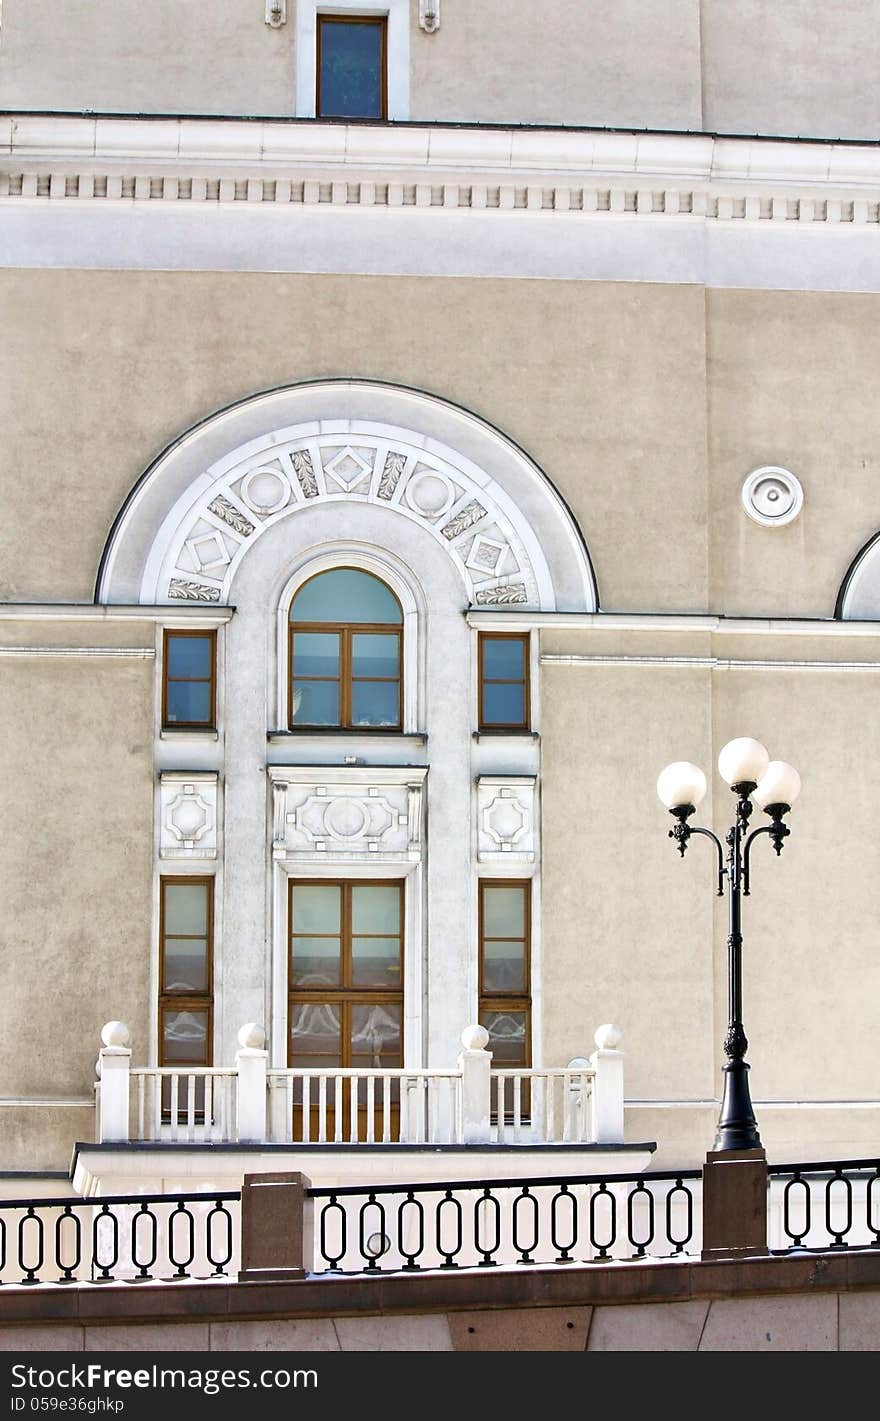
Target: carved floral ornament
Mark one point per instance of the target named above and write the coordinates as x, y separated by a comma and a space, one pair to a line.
466, 516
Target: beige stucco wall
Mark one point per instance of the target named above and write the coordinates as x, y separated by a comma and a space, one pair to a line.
618, 391
162, 57
790, 67
646, 406
75, 874
630, 62
628, 927
767, 66
617, 427
786, 385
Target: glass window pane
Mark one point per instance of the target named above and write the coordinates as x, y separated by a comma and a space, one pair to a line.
504, 911
504, 967
186, 965
185, 1037
316, 702
503, 657
317, 908
345, 595
316, 962
375, 908
503, 704
316, 654
507, 1036
374, 655
351, 80
374, 703
189, 655
315, 1036
376, 1035
186, 908
375, 962
188, 701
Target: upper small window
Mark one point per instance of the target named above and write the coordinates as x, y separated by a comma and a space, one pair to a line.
351, 79
188, 687
504, 681
346, 631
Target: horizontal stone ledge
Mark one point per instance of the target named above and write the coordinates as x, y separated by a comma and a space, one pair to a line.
389, 1294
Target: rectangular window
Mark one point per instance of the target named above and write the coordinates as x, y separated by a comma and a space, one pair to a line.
505, 974
188, 687
346, 1001
186, 932
504, 681
352, 67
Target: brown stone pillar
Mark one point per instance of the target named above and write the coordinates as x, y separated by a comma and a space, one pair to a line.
276, 1235
735, 1204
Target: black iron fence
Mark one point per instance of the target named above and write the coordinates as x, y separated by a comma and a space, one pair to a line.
461, 1224
828, 1204
468, 1224
121, 1237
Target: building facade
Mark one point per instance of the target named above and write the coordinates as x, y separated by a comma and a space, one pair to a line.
422, 423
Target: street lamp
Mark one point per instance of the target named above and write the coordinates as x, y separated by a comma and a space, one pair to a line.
774, 786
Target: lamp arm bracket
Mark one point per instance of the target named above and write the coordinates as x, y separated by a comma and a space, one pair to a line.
707, 833
777, 831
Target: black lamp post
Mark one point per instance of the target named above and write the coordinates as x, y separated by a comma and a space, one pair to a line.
773, 786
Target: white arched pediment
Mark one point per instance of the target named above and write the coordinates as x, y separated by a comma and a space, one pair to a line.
208, 500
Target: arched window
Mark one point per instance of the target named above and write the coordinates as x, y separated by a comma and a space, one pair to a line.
346, 629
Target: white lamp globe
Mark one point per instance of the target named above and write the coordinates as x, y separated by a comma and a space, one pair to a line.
743, 761
779, 784
681, 783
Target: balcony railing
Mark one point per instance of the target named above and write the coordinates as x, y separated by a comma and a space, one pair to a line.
293, 1229
468, 1104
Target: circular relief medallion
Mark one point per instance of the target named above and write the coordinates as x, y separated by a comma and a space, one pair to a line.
346, 818
430, 494
772, 496
265, 490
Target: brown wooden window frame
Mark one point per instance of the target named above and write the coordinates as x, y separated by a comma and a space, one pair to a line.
508, 1001
524, 681
382, 22
345, 995
186, 1001
345, 680
167, 679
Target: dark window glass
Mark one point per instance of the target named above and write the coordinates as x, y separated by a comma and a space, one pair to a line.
351, 68
505, 1000
503, 704
345, 594
188, 691
507, 1036
185, 1001
504, 682
344, 665
185, 1036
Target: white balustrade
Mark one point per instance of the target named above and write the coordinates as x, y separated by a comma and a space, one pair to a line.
470, 1104
187, 1104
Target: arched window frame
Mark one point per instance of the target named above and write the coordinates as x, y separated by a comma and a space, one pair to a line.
412, 668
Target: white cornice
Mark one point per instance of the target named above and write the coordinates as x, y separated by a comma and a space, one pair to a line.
239, 161
192, 616
485, 620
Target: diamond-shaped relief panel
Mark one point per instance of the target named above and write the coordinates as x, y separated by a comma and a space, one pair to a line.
188, 816
506, 813
349, 469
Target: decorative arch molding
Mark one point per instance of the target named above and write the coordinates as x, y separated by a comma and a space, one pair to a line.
209, 498
859, 595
